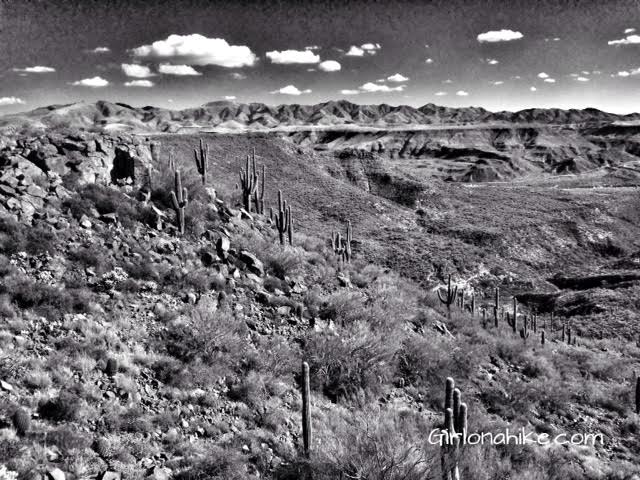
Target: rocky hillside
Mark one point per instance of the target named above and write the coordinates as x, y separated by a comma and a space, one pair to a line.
131, 350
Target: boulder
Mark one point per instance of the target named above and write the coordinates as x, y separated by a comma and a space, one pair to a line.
252, 262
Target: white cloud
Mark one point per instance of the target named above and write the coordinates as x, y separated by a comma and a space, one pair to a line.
94, 82
499, 36
533, 89
448, 80
182, 70
101, 50
139, 83
550, 80
374, 88
36, 69
291, 90
623, 73
499, 82
197, 49
492, 61
136, 71
230, 97
440, 94
543, 75
355, 52
397, 77
293, 56
349, 92
629, 30
429, 60
628, 40
582, 79
585, 72
368, 48
238, 76
329, 66
11, 101
462, 93
371, 47
312, 47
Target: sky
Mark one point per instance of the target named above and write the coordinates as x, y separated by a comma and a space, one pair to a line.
500, 55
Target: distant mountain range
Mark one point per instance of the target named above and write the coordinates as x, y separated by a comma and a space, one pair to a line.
232, 116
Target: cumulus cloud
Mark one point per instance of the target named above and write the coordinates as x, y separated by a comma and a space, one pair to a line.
101, 50
498, 82
355, 52
533, 89
349, 92
629, 30
11, 101
492, 61
93, 82
139, 83
36, 69
136, 71
197, 49
462, 93
448, 80
499, 36
230, 97
397, 77
550, 80
623, 73
543, 75
182, 70
429, 61
291, 90
371, 87
238, 76
293, 56
582, 79
628, 40
368, 48
312, 47
329, 66
440, 94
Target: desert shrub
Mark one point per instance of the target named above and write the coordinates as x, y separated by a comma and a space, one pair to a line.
17, 237
284, 263
352, 361
65, 407
342, 306
104, 200
218, 464
212, 338
67, 438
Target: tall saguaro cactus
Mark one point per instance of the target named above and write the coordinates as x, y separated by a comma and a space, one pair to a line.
284, 220
306, 410
455, 426
201, 156
514, 321
449, 297
638, 395
496, 306
249, 181
258, 199
180, 200
342, 246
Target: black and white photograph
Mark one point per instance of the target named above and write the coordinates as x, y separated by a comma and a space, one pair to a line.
319, 240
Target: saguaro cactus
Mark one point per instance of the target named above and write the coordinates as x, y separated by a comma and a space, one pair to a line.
496, 306
542, 337
201, 156
342, 246
249, 181
455, 427
449, 297
258, 199
473, 304
21, 421
179, 200
513, 322
638, 395
306, 410
284, 220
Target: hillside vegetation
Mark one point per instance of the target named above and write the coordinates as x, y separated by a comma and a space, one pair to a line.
130, 350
